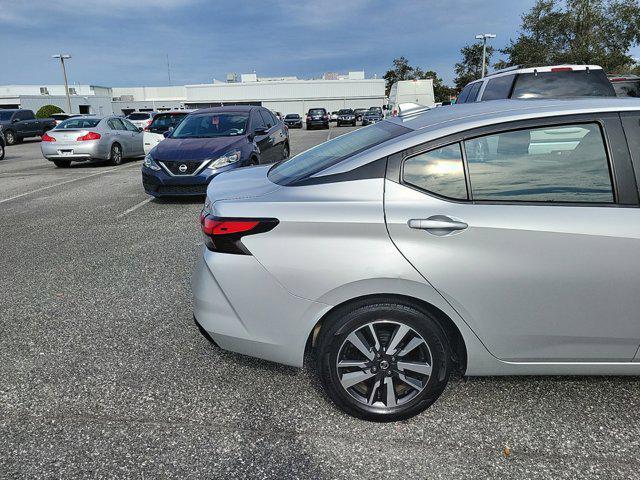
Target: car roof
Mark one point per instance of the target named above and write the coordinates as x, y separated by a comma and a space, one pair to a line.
230, 108
442, 121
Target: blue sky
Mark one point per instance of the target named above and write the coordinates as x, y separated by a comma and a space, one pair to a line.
125, 42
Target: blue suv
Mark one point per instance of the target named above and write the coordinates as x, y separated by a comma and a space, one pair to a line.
211, 141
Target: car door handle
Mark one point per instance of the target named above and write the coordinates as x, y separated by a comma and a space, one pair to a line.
438, 225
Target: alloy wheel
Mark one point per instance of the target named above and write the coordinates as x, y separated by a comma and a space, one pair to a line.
116, 155
384, 364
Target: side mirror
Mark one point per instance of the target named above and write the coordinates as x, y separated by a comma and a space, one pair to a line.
261, 131
166, 134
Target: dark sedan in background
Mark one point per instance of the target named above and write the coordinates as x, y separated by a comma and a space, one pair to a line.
372, 116
293, 120
211, 141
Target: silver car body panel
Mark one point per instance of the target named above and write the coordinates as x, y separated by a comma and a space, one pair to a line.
333, 245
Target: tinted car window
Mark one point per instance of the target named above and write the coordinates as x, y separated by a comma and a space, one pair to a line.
563, 84
439, 171
212, 125
78, 123
334, 151
139, 116
258, 122
464, 94
5, 116
551, 164
164, 121
627, 88
473, 93
498, 88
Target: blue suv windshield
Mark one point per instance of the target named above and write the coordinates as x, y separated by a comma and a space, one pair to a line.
212, 125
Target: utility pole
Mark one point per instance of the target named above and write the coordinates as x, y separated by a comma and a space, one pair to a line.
484, 37
168, 70
63, 57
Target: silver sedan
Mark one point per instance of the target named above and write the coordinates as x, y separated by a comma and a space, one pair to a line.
82, 139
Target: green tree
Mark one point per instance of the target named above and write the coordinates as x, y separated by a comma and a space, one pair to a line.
599, 32
47, 110
402, 70
470, 67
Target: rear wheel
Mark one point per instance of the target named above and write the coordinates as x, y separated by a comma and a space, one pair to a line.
116, 154
10, 137
1, 151
383, 361
62, 163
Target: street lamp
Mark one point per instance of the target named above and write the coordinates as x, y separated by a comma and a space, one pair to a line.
63, 57
484, 37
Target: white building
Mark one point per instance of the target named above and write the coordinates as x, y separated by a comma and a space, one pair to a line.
282, 94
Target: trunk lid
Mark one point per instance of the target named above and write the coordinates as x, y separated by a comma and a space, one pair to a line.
247, 182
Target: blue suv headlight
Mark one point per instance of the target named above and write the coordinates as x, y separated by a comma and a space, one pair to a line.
150, 163
226, 159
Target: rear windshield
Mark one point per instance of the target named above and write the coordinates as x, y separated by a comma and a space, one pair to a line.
59, 116
4, 116
78, 123
164, 121
292, 115
578, 83
332, 152
139, 116
317, 111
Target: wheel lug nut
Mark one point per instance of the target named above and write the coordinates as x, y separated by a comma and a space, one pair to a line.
374, 369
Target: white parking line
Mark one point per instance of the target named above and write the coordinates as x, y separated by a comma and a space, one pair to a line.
57, 185
135, 207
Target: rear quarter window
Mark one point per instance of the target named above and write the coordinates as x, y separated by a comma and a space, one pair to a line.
498, 88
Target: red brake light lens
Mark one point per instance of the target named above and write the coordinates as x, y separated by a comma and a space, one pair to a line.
562, 69
224, 234
47, 138
89, 136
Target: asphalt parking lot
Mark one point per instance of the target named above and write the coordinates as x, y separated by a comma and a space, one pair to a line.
104, 375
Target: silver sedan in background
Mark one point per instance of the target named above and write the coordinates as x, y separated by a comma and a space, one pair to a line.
84, 139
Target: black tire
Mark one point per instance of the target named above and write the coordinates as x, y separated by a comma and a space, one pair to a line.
254, 161
1, 150
10, 137
387, 315
115, 156
62, 163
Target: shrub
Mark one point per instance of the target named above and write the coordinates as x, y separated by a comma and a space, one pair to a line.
47, 110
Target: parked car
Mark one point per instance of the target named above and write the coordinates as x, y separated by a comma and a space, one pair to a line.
141, 119
359, 112
346, 116
278, 115
83, 139
60, 117
333, 117
317, 117
18, 124
293, 120
372, 116
162, 123
397, 260
626, 85
558, 81
209, 142
2, 145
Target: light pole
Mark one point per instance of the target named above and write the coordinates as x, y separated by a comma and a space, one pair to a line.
484, 37
63, 57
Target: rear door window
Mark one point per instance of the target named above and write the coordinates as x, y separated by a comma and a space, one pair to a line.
462, 98
550, 164
258, 122
565, 84
267, 118
116, 124
498, 88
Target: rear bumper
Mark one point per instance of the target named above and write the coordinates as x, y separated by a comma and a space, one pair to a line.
245, 310
77, 151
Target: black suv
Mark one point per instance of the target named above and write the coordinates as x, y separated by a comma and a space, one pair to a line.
346, 116
317, 117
